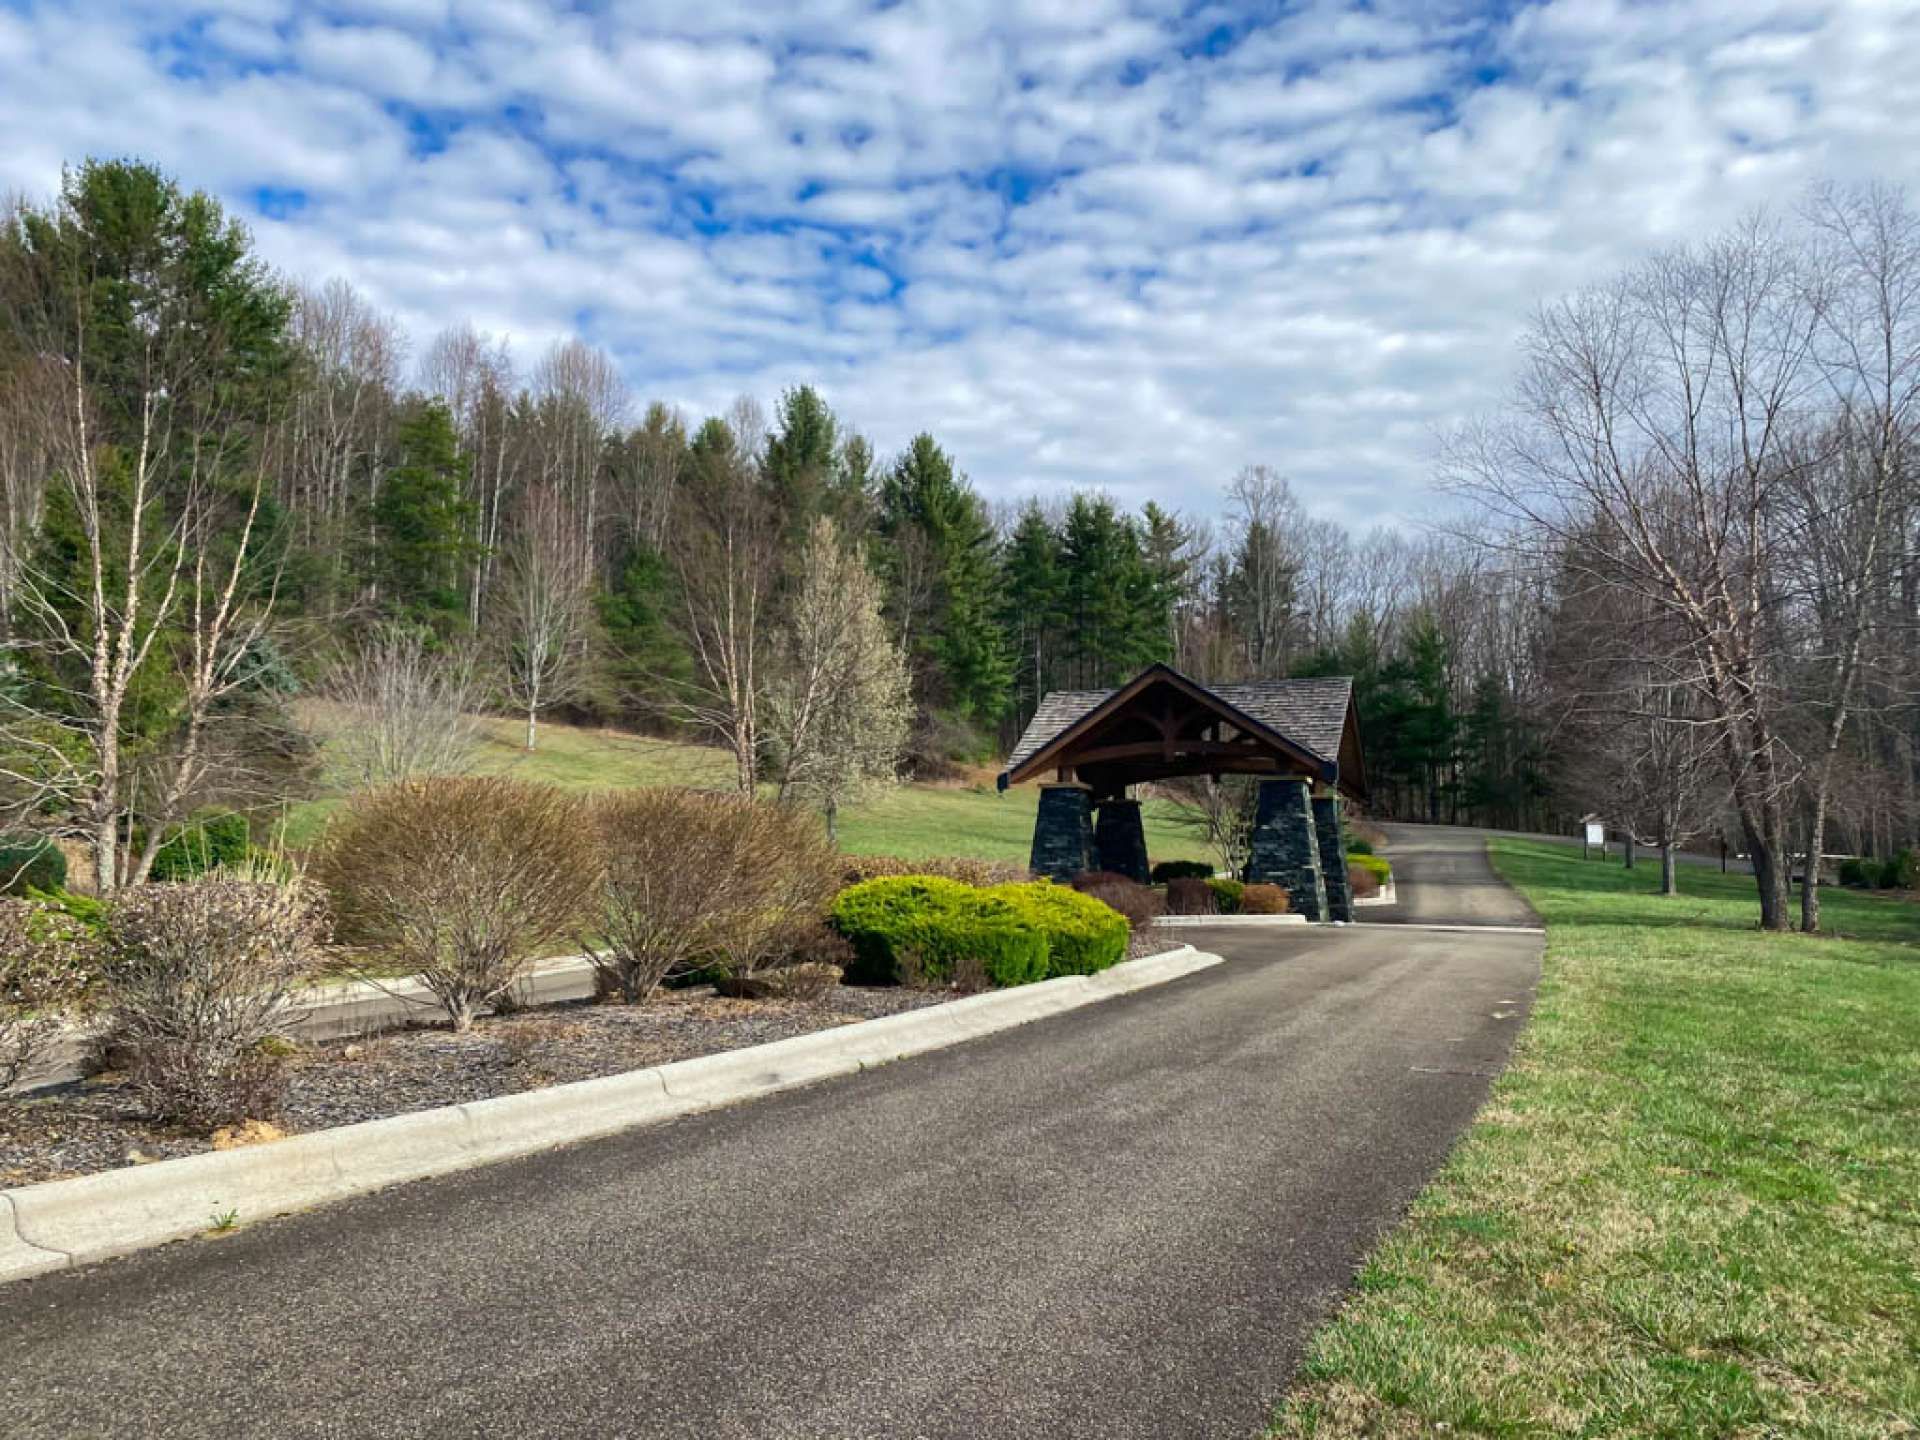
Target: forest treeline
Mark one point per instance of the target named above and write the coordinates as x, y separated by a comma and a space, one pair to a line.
278, 482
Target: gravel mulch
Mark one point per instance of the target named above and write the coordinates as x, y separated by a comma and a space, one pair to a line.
99, 1124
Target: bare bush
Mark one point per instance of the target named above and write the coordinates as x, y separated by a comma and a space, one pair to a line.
668, 857
47, 965
967, 869
784, 874
1190, 895
1264, 900
399, 711
465, 880
1137, 902
197, 977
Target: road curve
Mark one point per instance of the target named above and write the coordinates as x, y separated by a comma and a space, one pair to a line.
1124, 1221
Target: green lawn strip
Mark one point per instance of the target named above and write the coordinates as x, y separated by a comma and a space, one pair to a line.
911, 821
1691, 1207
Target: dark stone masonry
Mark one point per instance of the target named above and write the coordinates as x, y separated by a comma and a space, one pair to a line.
1333, 857
1120, 839
1063, 832
1286, 846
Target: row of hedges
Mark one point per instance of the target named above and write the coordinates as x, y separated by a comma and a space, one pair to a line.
929, 929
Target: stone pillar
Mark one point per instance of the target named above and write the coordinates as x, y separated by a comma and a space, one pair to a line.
1286, 850
1333, 856
1063, 832
1120, 840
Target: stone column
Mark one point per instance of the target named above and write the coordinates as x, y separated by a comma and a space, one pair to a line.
1063, 832
1333, 856
1286, 850
1120, 840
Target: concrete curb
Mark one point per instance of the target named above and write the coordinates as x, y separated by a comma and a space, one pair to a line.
1387, 896
1252, 921
63, 1223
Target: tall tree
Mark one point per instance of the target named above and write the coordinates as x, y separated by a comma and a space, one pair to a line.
423, 523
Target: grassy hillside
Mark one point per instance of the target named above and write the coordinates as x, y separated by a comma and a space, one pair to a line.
1690, 1205
909, 820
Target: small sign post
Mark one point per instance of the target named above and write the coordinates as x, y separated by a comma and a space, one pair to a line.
1596, 837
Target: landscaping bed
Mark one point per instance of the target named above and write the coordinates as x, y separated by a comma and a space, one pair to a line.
101, 1125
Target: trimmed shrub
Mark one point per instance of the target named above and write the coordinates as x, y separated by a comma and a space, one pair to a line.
48, 963
1134, 901
967, 869
31, 863
210, 843
1170, 870
1359, 846
1083, 935
1191, 895
197, 979
1264, 900
1901, 872
694, 880
1859, 874
1226, 894
465, 880
929, 928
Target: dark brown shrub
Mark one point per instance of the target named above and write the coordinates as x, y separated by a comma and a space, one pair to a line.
1132, 899
465, 880
1264, 900
1364, 881
812, 981
1191, 895
197, 979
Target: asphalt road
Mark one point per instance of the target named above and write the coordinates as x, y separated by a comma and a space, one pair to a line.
1124, 1221
1442, 877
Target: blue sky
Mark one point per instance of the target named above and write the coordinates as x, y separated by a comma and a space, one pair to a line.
1085, 242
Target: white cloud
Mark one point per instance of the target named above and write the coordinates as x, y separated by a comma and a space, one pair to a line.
1082, 244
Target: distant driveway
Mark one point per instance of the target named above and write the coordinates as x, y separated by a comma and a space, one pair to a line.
1123, 1221
1442, 877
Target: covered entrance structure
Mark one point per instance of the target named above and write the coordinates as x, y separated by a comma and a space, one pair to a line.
1300, 739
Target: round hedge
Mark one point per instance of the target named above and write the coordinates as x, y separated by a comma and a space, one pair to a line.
926, 924
1084, 935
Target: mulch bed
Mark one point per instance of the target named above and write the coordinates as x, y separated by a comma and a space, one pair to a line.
99, 1124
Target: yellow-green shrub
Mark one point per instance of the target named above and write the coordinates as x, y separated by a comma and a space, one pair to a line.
929, 927
1083, 935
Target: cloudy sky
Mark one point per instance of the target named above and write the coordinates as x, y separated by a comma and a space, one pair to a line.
1084, 242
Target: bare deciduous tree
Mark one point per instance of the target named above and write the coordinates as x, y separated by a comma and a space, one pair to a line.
397, 710
543, 609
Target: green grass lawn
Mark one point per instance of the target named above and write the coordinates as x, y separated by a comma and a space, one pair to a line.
1691, 1207
912, 821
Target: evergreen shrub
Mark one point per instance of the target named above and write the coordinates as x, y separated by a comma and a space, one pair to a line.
1170, 870
1083, 935
210, 842
1859, 874
1359, 846
1902, 872
1226, 894
932, 928
31, 863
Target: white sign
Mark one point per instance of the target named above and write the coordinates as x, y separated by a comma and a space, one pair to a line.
1596, 833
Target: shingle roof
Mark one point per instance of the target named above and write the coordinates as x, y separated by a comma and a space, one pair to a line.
1311, 713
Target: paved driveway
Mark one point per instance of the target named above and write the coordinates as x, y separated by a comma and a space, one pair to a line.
1124, 1221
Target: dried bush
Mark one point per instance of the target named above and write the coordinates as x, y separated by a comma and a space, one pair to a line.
48, 964
809, 982
465, 880
967, 869
1140, 905
196, 979
1364, 882
1264, 900
692, 880
1191, 895
783, 874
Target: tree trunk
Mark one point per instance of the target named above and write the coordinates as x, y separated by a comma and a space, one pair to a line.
532, 714
833, 821
1810, 886
1766, 843
1669, 870
1626, 845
